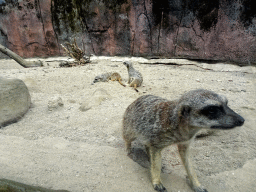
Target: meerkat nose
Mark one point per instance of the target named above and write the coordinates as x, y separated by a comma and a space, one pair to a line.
240, 121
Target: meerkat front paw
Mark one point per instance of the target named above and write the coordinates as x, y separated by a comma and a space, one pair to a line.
159, 187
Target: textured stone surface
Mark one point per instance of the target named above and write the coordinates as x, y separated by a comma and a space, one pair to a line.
55, 103
14, 100
201, 29
26, 28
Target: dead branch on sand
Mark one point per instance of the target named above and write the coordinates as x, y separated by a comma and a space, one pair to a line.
19, 59
73, 51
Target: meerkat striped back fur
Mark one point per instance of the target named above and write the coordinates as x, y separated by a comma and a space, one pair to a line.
157, 123
105, 77
135, 77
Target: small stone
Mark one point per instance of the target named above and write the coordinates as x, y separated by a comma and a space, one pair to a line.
55, 103
84, 107
234, 90
71, 101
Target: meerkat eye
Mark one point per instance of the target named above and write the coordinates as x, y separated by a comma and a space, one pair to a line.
213, 112
212, 109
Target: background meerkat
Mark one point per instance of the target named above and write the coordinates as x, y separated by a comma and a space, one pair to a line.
158, 123
135, 77
113, 76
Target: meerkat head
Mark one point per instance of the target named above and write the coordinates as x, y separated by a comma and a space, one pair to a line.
206, 109
127, 64
97, 79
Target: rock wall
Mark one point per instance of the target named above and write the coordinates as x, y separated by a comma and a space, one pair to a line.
201, 29
26, 28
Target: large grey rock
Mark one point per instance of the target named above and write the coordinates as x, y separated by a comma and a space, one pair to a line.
14, 100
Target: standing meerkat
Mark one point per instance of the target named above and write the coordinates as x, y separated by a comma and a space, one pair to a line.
158, 123
135, 77
105, 77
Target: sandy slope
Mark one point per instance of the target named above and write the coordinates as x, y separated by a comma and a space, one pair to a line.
81, 148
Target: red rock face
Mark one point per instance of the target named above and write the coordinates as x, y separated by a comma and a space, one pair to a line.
200, 29
29, 30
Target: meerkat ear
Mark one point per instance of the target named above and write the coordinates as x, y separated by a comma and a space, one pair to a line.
223, 99
185, 110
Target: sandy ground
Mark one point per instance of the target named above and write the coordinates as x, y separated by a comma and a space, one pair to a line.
79, 146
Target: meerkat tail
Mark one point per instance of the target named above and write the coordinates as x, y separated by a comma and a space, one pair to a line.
135, 88
120, 81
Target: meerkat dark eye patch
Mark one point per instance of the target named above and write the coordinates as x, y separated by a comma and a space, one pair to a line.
213, 111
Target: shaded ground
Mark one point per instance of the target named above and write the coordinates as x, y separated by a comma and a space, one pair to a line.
81, 148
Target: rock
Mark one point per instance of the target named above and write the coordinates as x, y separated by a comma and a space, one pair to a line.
72, 101
15, 100
234, 90
55, 103
9, 185
85, 107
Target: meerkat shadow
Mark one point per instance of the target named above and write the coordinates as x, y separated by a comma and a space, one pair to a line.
140, 156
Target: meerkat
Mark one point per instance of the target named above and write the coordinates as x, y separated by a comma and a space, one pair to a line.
158, 123
105, 77
135, 77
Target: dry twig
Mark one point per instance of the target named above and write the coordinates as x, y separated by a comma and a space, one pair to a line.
73, 51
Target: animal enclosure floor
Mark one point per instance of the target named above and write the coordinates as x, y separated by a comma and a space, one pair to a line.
79, 146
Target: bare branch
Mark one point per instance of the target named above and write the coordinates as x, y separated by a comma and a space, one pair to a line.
72, 50
19, 59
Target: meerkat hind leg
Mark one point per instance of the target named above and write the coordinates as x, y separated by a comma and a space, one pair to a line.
155, 168
128, 138
184, 154
128, 146
147, 150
